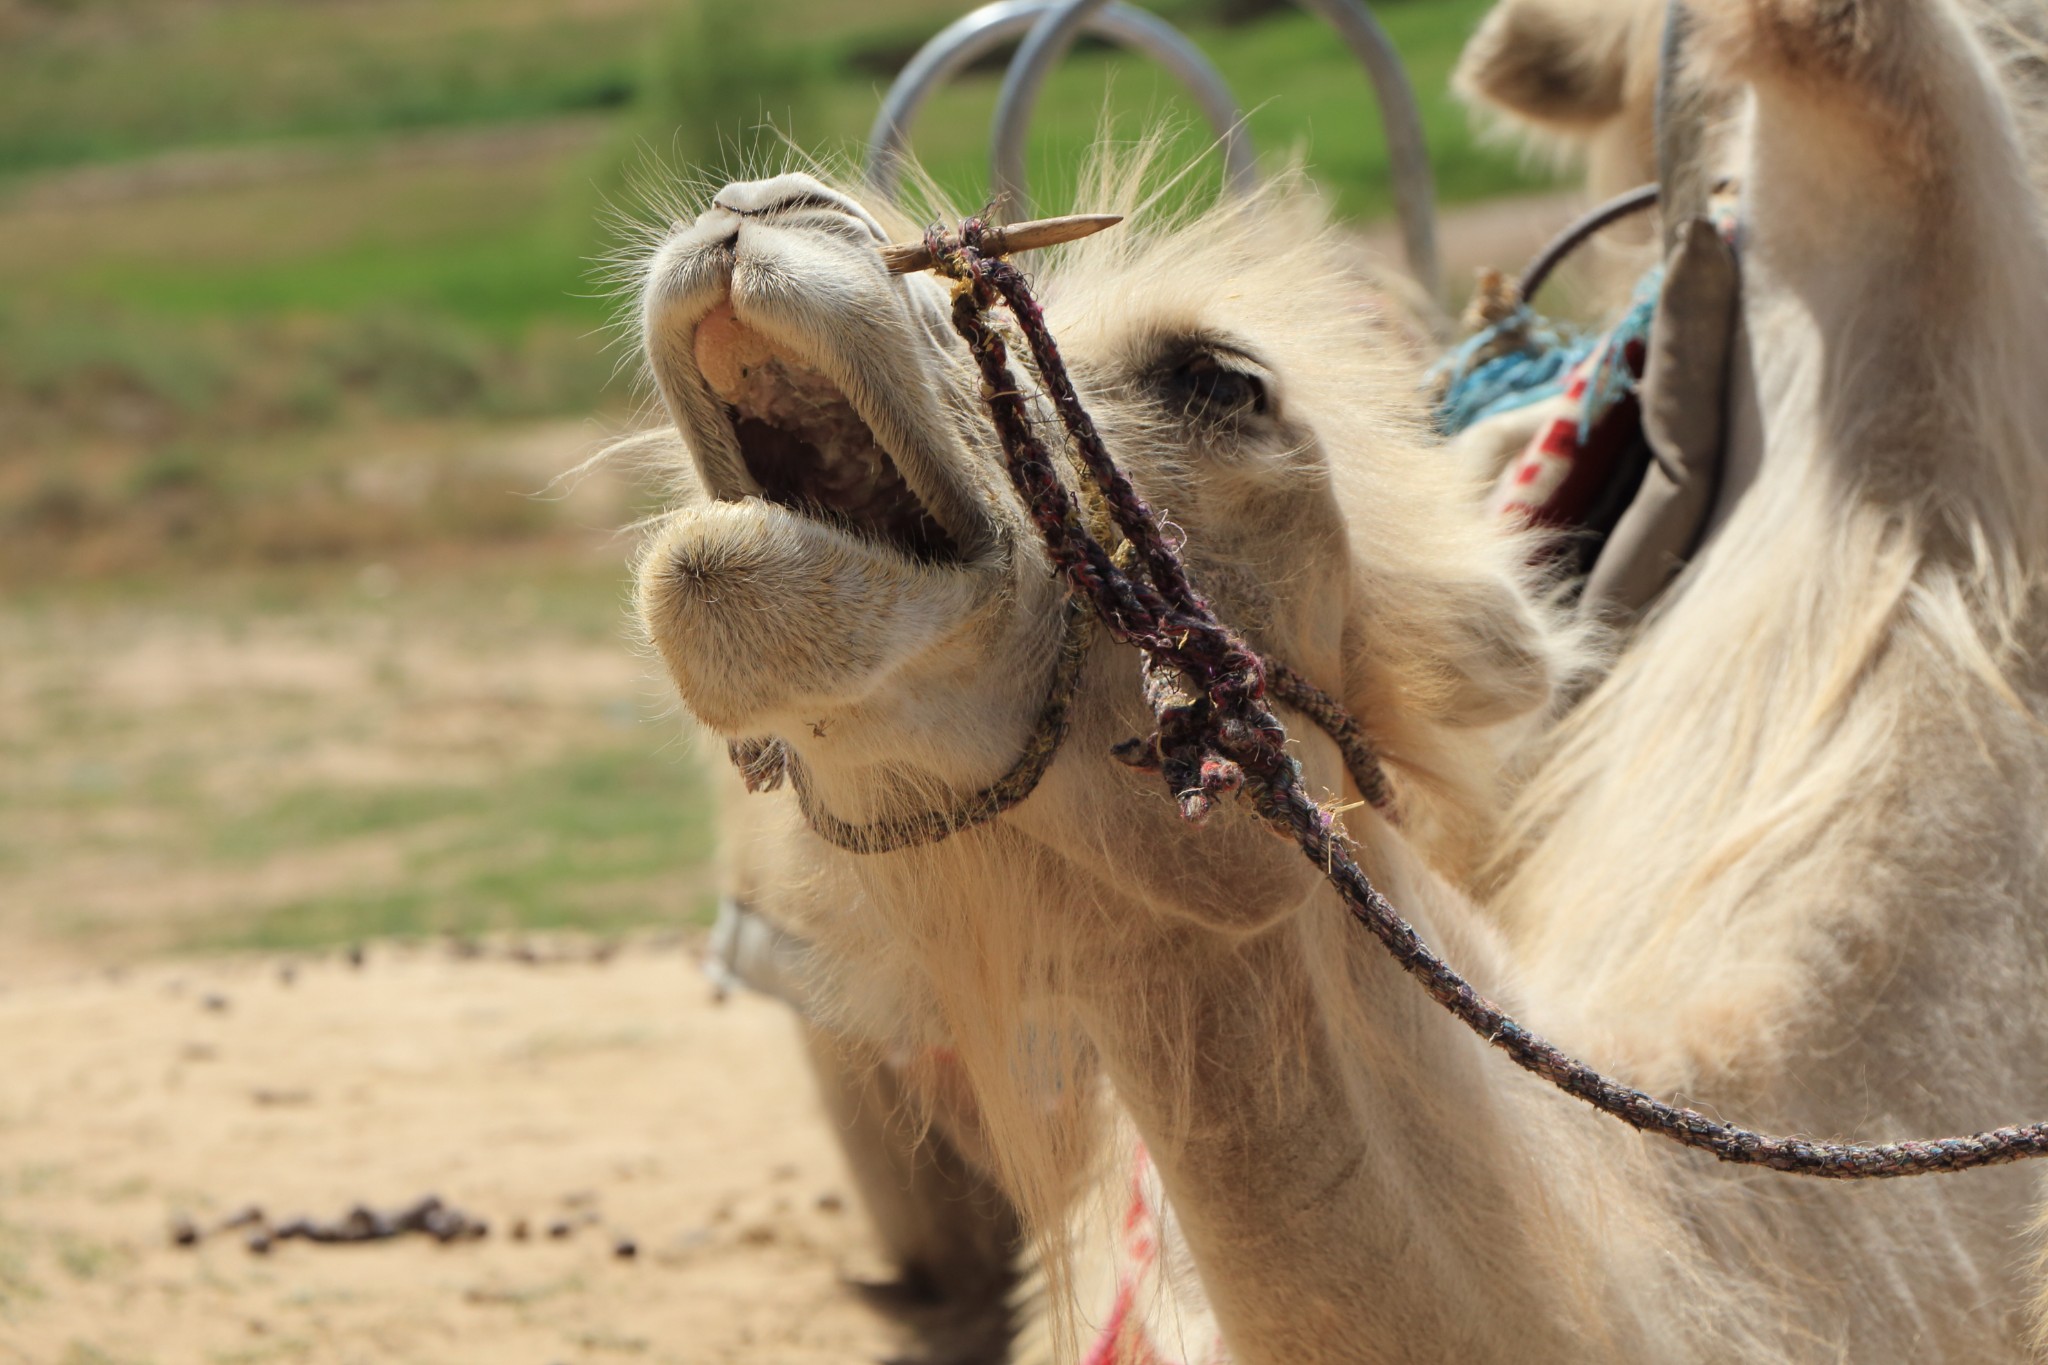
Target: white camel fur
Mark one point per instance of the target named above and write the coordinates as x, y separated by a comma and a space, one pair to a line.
1784, 859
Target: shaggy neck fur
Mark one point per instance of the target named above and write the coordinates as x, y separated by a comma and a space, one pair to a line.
1786, 859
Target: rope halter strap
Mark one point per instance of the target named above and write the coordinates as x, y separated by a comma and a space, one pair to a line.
764, 763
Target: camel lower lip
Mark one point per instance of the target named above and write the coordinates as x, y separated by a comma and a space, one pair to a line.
764, 615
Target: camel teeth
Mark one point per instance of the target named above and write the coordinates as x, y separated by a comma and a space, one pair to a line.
902, 258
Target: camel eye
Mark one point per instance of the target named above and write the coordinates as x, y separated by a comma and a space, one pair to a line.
1208, 387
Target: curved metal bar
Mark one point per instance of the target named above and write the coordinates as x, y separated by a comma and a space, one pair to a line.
989, 27
1400, 118
1401, 121
1041, 51
1578, 230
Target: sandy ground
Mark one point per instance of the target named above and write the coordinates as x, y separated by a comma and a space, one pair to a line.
617, 1096
141, 1084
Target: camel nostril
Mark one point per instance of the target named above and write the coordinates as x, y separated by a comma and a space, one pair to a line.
786, 205
791, 194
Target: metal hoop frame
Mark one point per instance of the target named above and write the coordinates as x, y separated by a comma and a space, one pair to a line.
1048, 29
985, 29
1400, 117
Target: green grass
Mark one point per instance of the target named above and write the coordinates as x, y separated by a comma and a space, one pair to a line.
602, 841
210, 75
85, 1353
88, 80
221, 74
498, 284
85, 1259
17, 1284
464, 278
495, 238
505, 241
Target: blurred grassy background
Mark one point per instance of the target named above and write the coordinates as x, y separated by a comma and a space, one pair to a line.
298, 315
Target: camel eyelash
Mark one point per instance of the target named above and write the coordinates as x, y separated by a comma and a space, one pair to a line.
1208, 382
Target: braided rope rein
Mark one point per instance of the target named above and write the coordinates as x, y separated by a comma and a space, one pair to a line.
1215, 734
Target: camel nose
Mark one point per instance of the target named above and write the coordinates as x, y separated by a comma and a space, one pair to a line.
785, 194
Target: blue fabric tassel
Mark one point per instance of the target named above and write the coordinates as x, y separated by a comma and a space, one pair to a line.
1531, 372
1541, 365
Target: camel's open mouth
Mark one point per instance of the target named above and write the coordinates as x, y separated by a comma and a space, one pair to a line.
806, 446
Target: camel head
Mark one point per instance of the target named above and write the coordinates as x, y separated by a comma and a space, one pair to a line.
850, 572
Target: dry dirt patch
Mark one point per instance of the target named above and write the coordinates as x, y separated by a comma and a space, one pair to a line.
615, 1095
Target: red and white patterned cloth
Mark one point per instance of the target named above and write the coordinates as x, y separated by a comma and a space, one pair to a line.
1128, 1336
1564, 471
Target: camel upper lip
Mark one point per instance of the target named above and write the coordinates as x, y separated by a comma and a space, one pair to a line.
780, 346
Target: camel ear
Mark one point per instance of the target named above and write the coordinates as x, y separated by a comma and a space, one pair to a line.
1558, 63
